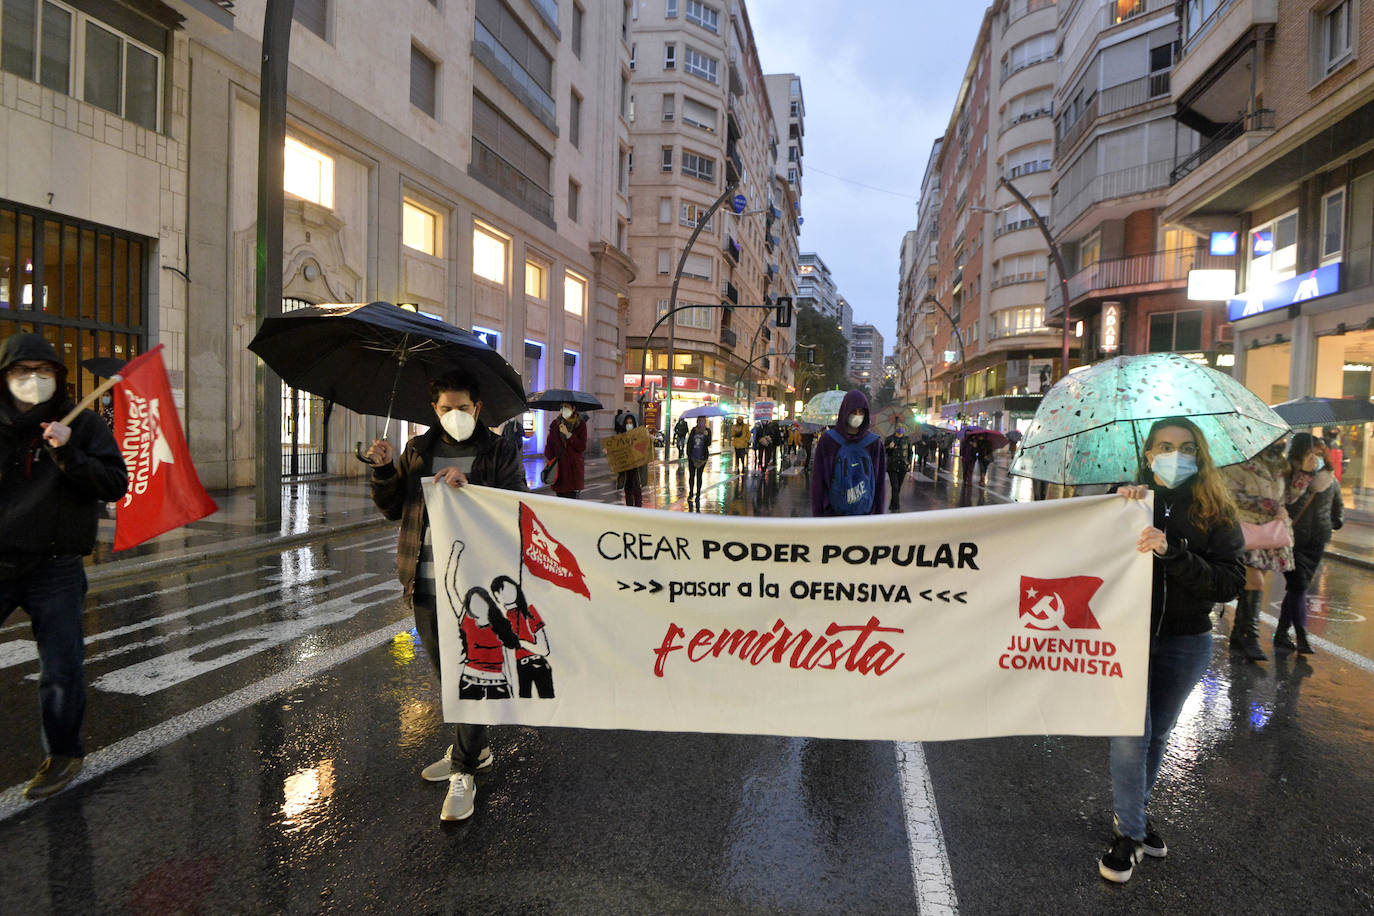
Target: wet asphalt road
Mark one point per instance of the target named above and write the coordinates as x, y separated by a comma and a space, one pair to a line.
256, 727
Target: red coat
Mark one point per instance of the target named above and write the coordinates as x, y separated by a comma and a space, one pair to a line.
569, 452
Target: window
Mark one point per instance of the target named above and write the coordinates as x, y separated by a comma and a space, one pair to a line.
622, 171
624, 96
420, 228
1028, 320
699, 115
692, 214
791, 154
705, 16
1181, 331
792, 176
523, 58
669, 104
664, 265
574, 293
698, 166
669, 55
670, 9
61, 48
570, 377
634, 54
489, 253
1022, 268
1336, 36
698, 266
536, 281
575, 119
578, 15
308, 173
1273, 251
1333, 226
313, 14
574, 193
691, 317
698, 64
1031, 51
667, 164
665, 209
424, 81
506, 160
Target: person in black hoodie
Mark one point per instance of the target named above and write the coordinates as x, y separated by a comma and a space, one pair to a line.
54, 479
1313, 495
1198, 548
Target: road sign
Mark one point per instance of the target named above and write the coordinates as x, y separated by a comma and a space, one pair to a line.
739, 203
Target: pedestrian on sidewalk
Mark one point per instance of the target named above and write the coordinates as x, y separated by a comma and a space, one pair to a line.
1257, 486
619, 423
566, 444
808, 444
897, 448
54, 480
1197, 546
1314, 504
850, 465
457, 451
633, 480
739, 441
680, 436
698, 451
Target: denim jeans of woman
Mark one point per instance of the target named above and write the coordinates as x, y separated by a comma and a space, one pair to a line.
1177, 663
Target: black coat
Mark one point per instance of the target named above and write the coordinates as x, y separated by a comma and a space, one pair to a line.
1313, 523
1200, 569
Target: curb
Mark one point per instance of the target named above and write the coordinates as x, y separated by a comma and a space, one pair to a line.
1352, 559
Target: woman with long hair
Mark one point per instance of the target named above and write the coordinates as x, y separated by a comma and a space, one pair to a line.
1197, 546
1257, 486
1315, 506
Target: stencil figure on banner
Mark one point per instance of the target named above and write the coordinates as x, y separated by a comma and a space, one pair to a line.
456, 451
1198, 546
851, 468
56, 472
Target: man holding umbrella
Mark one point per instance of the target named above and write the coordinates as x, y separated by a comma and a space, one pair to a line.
457, 451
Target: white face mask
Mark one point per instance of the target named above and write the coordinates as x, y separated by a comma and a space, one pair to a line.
567, 413
856, 420
1320, 464
459, 424
32, 389
629, 425
1172, 468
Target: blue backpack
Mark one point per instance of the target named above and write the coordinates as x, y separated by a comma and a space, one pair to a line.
852, 486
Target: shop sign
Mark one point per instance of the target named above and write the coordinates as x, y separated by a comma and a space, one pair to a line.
1111, 326
1224, 243
1324, 281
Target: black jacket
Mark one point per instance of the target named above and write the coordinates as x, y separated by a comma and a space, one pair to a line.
50, 497
1199, 570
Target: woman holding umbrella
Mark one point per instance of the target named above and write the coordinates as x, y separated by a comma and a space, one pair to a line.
1197, 546
565, 445
1315, 506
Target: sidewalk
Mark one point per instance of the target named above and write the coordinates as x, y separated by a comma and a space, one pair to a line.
320, 507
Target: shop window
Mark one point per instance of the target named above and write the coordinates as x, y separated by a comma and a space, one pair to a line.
1273, 251
574, 293
1176, 331
571, 366
489, 254
420, 228
308, 173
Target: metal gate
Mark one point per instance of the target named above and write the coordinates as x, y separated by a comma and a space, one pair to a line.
304, 424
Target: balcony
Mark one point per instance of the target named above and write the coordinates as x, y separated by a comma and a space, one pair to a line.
1015, 226
508, 181
1133, 93
729, 293
1023, 117
1028, 168
728, 337
1207, 43
1067, 134
1139, 273
731, 249
1263, 119
734, 165
1122, 183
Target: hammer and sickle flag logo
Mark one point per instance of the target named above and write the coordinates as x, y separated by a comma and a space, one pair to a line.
1059, 604
546, 557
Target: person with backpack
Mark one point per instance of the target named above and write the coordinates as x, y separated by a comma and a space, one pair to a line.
897, 449
698, 451
850, 464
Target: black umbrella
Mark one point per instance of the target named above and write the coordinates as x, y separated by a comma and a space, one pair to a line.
554, 398
1308, 412
379, 359
102, 366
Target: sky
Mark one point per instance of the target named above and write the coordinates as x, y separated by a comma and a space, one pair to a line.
879, 80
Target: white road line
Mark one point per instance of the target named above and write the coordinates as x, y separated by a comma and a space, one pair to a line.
18, 652
183, 586
1330, 648
384, 539
929, 861
155, 738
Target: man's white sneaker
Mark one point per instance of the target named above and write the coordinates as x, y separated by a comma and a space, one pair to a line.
461, 798
441, 769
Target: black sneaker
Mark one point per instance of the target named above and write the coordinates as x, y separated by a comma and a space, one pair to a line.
1118, 862
1154, 845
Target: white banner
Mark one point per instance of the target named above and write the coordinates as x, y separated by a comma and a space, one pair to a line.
963, 623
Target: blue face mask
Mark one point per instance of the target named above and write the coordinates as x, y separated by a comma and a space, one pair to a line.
1172, 468
1320, 464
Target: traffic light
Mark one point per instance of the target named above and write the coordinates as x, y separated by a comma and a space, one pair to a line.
784, 307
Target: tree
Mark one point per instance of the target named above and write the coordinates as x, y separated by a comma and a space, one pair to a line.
832, 350
887, 393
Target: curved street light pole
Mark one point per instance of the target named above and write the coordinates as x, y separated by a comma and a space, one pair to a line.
1058, 266
740, 374
963, 363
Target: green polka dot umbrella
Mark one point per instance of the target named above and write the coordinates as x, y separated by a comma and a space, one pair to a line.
1090, 427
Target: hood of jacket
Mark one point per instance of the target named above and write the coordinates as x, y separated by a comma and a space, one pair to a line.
32, 348
853, 400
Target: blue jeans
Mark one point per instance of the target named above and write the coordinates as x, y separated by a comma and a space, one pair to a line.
53, 595
1177, 663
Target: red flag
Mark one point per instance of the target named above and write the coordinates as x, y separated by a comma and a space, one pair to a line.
1059, 604
164, 489
548, 559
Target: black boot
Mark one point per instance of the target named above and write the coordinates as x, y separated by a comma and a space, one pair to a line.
1282, 641
1245, 631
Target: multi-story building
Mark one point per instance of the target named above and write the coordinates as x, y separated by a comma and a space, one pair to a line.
789, 121
1282, 95
702, 126
914, 348
1116, 143
866, 356
467, 159
816, 286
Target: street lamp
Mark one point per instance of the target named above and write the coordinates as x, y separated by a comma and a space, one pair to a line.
958, 336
